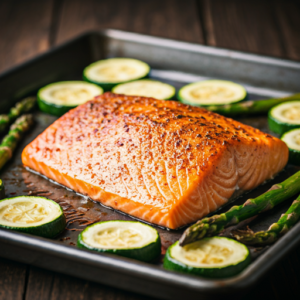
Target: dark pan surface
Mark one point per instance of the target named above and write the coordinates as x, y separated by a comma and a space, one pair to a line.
81, 211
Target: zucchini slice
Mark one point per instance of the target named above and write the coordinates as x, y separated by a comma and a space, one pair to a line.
146, 88
212, 92
126, 238
34, 215
59, 97
2, 190
292, 140
216, 257
284, 117
109, 72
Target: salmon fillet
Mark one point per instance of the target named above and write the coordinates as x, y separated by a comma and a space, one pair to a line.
160, 161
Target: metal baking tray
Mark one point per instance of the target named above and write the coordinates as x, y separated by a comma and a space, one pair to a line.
177, 63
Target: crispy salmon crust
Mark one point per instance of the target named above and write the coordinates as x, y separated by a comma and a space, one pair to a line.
160, 161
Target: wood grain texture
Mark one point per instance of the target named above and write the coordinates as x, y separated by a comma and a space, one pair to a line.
287, 15
248, 25
173, 19
24, 30
12, 280
39, 284
46, 285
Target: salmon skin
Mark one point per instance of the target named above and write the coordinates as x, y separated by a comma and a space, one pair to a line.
160, 161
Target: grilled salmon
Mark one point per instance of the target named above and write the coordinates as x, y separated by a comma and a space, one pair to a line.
160, 161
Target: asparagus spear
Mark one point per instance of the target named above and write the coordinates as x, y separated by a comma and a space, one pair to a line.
20, 108
215, 224
2, 190
249, 107
275, 231
15, 133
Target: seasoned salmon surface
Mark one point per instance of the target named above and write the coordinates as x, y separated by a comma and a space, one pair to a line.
160, 161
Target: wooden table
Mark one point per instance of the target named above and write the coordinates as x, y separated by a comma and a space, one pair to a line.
28, 28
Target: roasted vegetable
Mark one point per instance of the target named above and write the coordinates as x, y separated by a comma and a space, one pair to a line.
59, 97
292, 140
112, 71
215, 257
146, 88
10, 141
250, 107
276, 230
284, 117
125, 238
21, 107
212, 92
34, 215
214, 225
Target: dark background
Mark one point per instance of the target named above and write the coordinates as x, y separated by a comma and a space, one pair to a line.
31, 27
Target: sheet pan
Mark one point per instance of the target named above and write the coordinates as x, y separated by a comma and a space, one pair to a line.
174, 62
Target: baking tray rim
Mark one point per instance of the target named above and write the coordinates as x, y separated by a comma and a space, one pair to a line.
160, 42
151, 272
245, 279
193, 47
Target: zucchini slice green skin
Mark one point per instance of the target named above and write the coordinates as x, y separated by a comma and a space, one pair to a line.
170, 263
146, 88
146, 253
2, 190
53, 109
60, 109
294, 154
184, 94
108, 85
50, 229
279, 126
